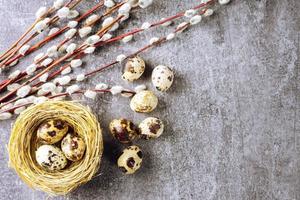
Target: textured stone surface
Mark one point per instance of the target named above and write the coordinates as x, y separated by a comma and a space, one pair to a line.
232, 116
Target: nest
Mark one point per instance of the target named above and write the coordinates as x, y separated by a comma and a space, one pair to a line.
22, 147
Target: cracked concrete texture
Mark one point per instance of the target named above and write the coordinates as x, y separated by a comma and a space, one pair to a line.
232, 115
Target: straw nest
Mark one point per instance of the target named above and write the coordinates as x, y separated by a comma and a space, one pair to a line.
23, 144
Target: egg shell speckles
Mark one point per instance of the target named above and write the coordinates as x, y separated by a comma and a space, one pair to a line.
50, 158
134, 69
73, 147
151, 128
123, 130
52, 131
144, 102
130, 160
162, 78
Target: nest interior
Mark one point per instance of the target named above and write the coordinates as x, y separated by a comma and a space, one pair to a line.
23, 144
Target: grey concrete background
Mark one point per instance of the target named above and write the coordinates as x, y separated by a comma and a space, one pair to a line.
232, 116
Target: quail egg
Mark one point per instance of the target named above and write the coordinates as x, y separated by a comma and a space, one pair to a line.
73, 147
123, 130
151, 128
52, 131
144, 102
50, 158
162, 78
134, 69
130, 160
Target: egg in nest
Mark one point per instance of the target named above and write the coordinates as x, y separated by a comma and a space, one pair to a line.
52, 131
73, 147
50, 158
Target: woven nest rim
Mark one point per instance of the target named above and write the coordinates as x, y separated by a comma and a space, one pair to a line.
22, 146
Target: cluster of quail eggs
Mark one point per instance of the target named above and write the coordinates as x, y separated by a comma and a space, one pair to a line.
145, 101
59, 145
125, 131
162, 79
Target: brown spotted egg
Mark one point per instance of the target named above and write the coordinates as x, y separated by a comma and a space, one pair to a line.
144, 102
50, 158
151, 128
123, 130
133, 69
162, 78
130, 160
52, 131
73, 147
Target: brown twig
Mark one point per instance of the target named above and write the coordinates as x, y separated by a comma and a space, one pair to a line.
58, 61
61, 95
120, 37
8, 52
12, 58
102, 68
62, 30
5, 83
101, 43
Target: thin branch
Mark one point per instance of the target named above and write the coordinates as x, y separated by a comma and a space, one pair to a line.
5, 83
56, 62
98, 44
10, 59
64, 94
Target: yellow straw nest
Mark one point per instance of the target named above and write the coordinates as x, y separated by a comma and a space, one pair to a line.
23, 144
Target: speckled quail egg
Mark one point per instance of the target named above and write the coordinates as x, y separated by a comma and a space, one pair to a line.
162, 78
50, 158
73, 147
144, 102
133, 69
151, 128
130, 160
52, 131
123, 130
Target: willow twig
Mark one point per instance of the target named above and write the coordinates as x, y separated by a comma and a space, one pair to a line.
100, 44
62, 95
6, 82
12, 58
